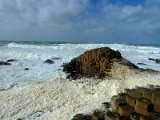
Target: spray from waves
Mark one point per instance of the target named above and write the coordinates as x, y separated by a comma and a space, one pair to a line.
4, 43
54, 45
120, 47
36, 46
39, 51
67, 51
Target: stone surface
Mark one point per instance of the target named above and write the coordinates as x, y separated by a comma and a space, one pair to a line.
141, 64
153, 116
131, 100
147, 93
111, 116
49, 61
106, 105
135, 116
26, 68
156, 98
156, 60
140, 111
125, 110
157, 108
11, 60
115, 103
98, 115
134, 93
143, 103
97, 62
82, 117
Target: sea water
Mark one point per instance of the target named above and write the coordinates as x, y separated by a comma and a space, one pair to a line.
32, 55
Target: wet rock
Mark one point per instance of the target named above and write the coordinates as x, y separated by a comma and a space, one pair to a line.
98, 115
112, 116
106, 105
141, 64
151, 59
26, 68
82, 117
95, 63
125, 111
144, 104
156, 60
19, 119
135, 116
4, 63
49, 61
11, 60
92, 63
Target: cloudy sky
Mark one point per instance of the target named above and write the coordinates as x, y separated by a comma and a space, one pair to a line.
102, 21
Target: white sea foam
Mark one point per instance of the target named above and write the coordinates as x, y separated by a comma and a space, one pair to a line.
32, 56
60, 99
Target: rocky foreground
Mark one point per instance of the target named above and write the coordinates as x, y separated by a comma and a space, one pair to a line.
141, 103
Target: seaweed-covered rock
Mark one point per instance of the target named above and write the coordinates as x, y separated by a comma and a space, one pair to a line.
95, 62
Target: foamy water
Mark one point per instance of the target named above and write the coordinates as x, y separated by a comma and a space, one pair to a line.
61, 99
32, 56
46, 95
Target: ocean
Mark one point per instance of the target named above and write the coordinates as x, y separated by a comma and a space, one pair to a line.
32, 55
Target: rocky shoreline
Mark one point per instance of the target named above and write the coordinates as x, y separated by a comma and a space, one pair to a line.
102, 62
140, 103
61, 99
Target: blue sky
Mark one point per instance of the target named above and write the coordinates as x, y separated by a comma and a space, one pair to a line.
127, 2
99, 21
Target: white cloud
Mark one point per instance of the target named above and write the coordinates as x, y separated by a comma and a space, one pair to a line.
74, 20
130, 11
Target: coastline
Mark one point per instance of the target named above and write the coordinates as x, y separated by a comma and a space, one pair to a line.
32, 56
60, 99
79, 60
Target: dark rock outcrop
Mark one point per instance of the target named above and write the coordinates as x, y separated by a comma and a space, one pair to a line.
141, 64
96, 62
19, 119
156, 60
82, 117
26, 68
49, 61
11, 60
4, 63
